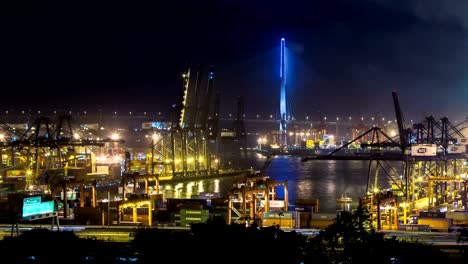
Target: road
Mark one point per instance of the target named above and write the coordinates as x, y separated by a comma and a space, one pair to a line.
447, 241
124, 233
111, 233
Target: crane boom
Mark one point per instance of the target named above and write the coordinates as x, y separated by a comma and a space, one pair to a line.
403, 133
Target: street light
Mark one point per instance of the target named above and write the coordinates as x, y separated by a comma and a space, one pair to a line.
153, 138
336, 127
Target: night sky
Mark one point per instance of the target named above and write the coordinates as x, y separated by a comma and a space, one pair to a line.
345, 57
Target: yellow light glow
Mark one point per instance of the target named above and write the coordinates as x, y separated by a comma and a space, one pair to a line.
115, 136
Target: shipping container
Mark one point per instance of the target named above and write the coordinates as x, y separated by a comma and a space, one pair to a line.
278, 215
284, 223
423, 150
460, 218
437, 224
456, 149
464, 141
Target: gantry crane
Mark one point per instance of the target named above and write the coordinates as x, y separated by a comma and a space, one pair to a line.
431, 168
412, 172
54, 149
192, 132
254, 195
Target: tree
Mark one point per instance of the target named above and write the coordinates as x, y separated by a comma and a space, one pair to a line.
352, 239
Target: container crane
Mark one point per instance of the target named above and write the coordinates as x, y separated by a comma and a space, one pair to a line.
404, 133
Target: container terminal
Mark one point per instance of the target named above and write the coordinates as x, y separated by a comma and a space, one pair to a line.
93, 176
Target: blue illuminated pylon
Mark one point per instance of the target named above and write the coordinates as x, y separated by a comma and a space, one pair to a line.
283, 114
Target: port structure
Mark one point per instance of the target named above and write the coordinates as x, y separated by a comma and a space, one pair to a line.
53, 155
181, 147
186, 146
254, 195
426, 164
60, 154
48, 143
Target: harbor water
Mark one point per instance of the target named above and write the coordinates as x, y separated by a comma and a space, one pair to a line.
324, 180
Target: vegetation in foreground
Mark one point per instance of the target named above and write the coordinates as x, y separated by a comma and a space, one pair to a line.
350, 239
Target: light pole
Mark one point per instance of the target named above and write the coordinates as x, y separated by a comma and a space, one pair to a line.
336, 129
154, 137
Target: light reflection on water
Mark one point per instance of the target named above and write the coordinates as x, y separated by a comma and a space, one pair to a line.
325, 180
185, 190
